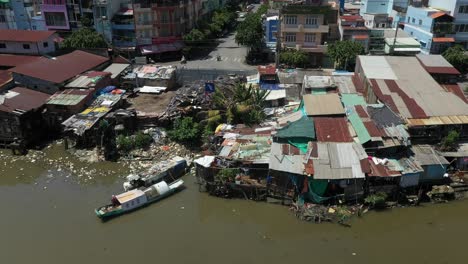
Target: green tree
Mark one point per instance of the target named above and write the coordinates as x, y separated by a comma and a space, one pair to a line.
457, 57
294, 58
450, 141
242, 104
344, 53
142, 140
124, 144
84, 38
194, 35
250, 32
86, 22
185, 130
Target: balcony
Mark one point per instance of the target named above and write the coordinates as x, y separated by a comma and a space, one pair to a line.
307, 47
299, 28
441, 29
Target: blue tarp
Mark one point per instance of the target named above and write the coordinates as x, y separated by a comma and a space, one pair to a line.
107, 89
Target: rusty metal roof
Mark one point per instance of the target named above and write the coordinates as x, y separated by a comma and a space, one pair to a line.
22, 99
15, 35
438, 120
332, 129
62, 68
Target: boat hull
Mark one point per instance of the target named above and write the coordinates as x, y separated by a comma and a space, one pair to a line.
116, 213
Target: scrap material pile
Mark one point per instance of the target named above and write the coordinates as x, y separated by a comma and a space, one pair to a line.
194, 97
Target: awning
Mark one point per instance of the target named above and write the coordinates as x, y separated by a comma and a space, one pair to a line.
361, 37
439, 40
125, 12
160, 48
407, 49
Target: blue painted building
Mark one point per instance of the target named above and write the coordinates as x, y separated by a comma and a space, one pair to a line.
271, 29
430, 26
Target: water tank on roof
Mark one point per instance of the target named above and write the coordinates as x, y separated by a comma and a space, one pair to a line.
161, 187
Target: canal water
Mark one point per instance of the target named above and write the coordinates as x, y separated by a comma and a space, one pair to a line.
47, 216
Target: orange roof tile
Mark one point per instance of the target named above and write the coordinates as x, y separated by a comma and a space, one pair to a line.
438, 14
443, 40
360, 36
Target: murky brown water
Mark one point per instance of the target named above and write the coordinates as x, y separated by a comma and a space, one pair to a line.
57, 224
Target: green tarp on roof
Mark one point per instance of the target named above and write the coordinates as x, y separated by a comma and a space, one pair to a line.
302, 128
358, 125
352, 99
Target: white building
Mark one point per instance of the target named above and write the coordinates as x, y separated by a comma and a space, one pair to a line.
459, 10
32, 42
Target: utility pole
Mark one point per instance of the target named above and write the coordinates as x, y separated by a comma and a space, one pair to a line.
392, 49
278, 39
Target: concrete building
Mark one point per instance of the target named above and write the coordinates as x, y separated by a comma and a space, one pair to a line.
27, 41
352, 28
18, 14
49, 75
271, 30
65, 15
307, 26
159, 25
383, 13
432, 27
107, 20
459, 10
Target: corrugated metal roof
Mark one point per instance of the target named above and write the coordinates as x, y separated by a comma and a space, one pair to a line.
292, 117
22, 99
319, 105
345, 84
376, 67
62, 68
285, 163
66, 99
413, 91
426, 155
317, 82
337, 161
432, 60
438, 120
332, 129
358, 125
352, 99
116, 68
12, 60
16, 35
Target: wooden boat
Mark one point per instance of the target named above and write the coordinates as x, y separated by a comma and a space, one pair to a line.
134, 199
167, 170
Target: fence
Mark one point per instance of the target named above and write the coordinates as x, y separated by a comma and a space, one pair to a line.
184, 75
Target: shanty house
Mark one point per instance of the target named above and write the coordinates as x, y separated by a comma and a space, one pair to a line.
405, 86
322, 105
33, 42
434, 165
49, 75
20, 115
63, 104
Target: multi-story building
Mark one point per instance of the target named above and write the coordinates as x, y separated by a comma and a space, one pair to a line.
113, 15
306, 26
459, 10
352, 28
160, 24
271, 30
65, 14
18, 14
123, 27
383, 13
432, 27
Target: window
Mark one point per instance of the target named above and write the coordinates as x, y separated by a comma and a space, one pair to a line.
409, 19
411, 33
413, 20
290, 20
382, 25
55, 19
461, 28
2, 18
2, 46
463, 9
290, 37
26, 46
420, 21
45, 44
309, 38
311, 20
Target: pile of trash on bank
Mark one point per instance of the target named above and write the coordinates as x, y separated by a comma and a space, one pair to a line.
193, 97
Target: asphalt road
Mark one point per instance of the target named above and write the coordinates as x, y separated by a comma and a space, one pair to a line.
232, 56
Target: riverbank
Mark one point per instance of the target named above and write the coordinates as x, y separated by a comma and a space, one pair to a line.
58, 225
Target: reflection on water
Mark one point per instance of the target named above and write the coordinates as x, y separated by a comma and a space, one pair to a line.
48, 217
